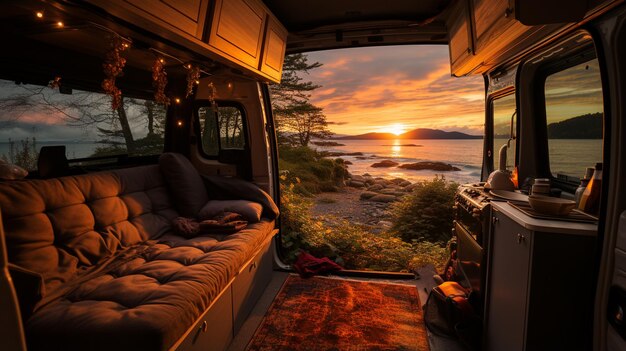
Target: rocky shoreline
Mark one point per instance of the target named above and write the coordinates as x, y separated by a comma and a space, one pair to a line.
364, 200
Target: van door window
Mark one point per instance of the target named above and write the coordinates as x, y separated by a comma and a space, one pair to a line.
503, 108
221, 128
574, 114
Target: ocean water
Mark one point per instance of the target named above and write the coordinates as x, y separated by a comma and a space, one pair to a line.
72, 150
566, 156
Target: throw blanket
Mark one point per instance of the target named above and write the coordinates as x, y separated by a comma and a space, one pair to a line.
223, 188
225, 223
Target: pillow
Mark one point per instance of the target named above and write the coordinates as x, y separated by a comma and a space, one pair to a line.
251, 211
11, 172
184, 182
29, 287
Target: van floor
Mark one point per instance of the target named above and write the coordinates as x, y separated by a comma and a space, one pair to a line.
424, 284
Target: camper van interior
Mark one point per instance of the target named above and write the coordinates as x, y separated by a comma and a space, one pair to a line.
143, 208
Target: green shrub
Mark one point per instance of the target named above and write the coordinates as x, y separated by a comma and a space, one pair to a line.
315, 173
425, 253
298, 230
24, 155
426, 213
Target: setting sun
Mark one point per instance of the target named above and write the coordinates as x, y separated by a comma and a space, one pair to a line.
396, 129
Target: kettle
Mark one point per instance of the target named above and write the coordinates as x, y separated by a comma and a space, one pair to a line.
500, 179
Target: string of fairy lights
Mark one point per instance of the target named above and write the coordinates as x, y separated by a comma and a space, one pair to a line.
114, 63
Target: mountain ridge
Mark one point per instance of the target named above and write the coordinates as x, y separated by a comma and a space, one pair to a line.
419, 133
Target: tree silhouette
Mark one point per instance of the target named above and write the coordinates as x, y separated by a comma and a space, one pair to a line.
297, 119
85, 109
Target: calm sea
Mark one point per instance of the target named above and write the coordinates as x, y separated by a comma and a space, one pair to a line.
73, 150
567, 156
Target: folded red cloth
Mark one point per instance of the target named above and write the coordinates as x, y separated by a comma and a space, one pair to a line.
225, 223
186, 227
308, 265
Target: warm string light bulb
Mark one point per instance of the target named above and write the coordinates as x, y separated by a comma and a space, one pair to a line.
60, 24
161, 60
179, 123
177, 100
39, 14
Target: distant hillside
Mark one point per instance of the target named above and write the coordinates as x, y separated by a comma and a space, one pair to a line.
420, 133
369, 136
587, 126
424, 133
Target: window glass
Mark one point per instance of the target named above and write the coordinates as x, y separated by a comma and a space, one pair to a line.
503, 109
34, 116
223, 130
574, 114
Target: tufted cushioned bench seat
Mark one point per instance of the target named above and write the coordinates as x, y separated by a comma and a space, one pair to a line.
115, 275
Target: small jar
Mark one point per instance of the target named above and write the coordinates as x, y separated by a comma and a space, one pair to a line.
541, 187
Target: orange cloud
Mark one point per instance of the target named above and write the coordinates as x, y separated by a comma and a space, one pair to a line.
373, 88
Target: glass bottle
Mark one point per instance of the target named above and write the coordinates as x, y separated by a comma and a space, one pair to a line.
583, 184
590, 200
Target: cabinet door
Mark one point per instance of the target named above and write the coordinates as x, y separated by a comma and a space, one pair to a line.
237, 30
508, 284
460, 36
491, 18
274, 49
186, 15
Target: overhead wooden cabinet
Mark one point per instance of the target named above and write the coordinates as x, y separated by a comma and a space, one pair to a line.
274, 52
237, 30
243, 34
460, 35
185, 15
485, 33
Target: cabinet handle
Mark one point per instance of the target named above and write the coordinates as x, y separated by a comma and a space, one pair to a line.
520, 238
495, 220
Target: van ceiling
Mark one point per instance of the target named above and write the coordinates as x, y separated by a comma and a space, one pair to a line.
334, 24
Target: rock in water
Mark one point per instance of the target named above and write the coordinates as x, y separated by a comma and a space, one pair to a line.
434, 166
384, 164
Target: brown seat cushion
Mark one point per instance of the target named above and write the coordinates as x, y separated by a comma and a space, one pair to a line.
58, 227
148, 296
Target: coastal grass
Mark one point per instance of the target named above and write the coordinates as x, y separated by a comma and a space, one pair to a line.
309, 171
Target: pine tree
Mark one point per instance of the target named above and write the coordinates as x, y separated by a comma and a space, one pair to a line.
297, 119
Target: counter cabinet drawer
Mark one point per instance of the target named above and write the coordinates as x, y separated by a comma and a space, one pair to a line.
250, 284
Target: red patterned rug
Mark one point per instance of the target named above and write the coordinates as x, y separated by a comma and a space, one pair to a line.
336, 314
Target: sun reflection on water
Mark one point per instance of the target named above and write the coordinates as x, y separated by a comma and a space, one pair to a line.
396, 149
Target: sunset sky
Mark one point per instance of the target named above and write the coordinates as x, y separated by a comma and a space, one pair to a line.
386, 88
390, 89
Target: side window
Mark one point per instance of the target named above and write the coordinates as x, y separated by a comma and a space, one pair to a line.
574, 112
34, 116
503, 108
222, 129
